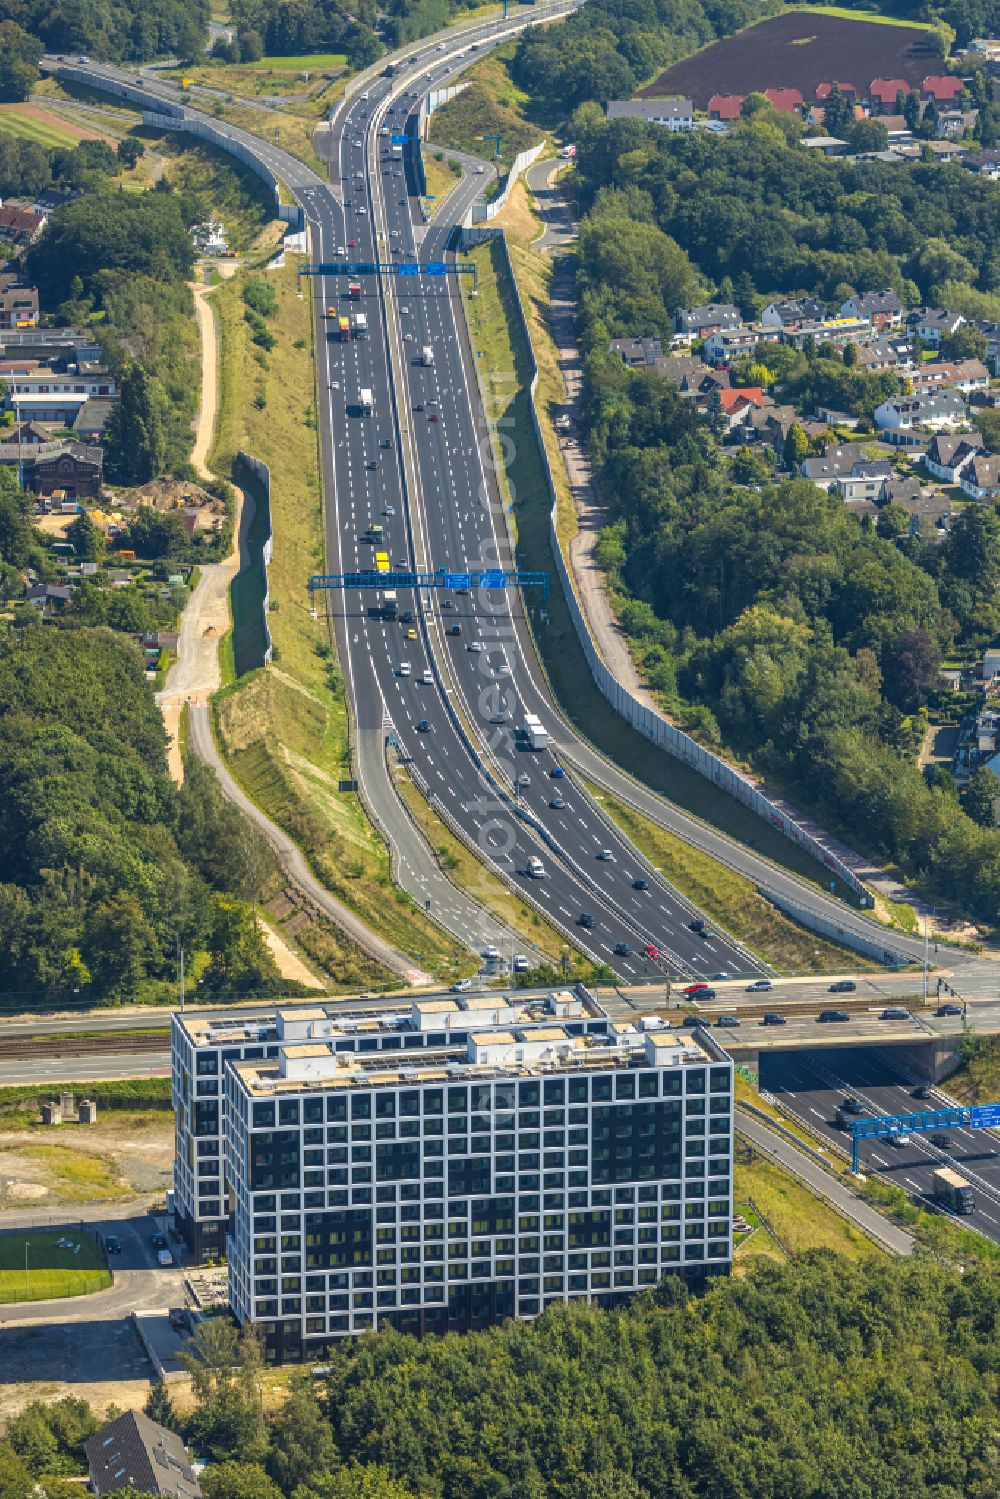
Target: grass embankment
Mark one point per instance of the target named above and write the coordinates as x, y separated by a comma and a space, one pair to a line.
731, 898
506, 364
441, 177
746, 1092
271, 76
465, 870
492, 104
284, 729
845, 13
53, 1268
978, 1078
792, 1217
292, 132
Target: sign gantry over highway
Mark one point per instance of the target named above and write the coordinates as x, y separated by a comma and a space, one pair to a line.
357, 268
490, 577
979, 1116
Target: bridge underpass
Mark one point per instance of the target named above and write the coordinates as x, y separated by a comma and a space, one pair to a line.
883, 1079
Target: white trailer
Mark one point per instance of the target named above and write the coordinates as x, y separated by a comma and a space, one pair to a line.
535, 734
367, 404
427, 355
361, 325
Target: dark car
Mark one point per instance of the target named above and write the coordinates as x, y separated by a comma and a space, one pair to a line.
773, 1018
407, 617
728, 1022
895, 1012
159, 1241
112, 1244
453, 630
697, 1020
851, 1106
419, 406
697, 925
423, 727
622, 949
558, 802
372, 463
587, 920
178, 1319
948, 1009
830, 1017
843, 986
447, 603
922, 1090
557, 772
640, 884
386, 442
943, 1142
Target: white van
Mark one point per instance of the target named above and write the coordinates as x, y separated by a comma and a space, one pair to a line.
403, 669
535, 868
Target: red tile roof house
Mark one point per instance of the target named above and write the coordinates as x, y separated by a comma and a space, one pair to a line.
824, 90
882, 94
725, 106
733, 403
943, 88
788, 100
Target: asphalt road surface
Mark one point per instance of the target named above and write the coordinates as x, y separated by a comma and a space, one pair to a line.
812, 1085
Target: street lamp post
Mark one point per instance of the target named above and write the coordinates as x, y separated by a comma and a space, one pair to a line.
27, 1283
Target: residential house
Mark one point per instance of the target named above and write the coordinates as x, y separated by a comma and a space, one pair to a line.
864, 481
927, 413
940, 150
824, 90
966, 375
725, 107
134, 1452
882, 309
826, 145
931, 324
947, 454
841, 330
19, 226
787, 100
984, 163
729, 344
732, 405
837, 418
792, 312
699, 322
210, 237
637, 352
877, 356
980, 477
991, 670
50, 598
838, 461
18, 303
92, 418
929, 510
87, 379
883, 92
52, 198
991, 331
943, 88
72, 469
670, 114
25, 434
952, 124
48, 345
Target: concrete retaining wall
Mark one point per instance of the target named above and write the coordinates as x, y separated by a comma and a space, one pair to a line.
878, 946
481, 213
651, 724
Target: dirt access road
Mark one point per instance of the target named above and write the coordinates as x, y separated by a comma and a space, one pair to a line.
196, 674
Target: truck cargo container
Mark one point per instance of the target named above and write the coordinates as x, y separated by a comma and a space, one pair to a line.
535, 734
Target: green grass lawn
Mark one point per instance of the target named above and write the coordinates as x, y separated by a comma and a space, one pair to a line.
302, 64
53, 1269
28, 129
847, 14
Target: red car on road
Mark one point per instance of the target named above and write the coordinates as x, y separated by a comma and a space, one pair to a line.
694, 989
649, 951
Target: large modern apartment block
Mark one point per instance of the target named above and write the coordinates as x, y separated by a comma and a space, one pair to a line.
458, 1162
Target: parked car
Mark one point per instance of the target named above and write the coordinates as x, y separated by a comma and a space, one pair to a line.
697, 1020
159, 1241
112, 1244
895, 1012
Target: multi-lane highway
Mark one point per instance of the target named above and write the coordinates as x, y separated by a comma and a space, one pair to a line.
812, 1085
452, 685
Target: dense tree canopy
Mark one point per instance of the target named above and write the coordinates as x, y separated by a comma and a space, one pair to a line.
121, 29
104, 866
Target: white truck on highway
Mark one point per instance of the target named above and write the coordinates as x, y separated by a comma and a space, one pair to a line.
361, 325
427, 356
535, 734
535, 868
367, 404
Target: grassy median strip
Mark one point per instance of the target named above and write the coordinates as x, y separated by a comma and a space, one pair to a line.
730, 898
284, 729
505, 364
41, 1264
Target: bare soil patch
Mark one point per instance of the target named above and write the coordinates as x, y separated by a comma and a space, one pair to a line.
800, 50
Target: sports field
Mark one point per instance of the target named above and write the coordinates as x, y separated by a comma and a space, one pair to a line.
31, 122
305, 63
801, 49
60, 1263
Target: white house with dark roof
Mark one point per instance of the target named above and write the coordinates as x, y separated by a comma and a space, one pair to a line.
929, 413
880, 308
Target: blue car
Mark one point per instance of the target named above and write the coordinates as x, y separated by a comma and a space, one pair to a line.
557, 773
